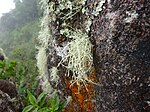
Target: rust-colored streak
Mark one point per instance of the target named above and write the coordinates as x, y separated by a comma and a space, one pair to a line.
82, 95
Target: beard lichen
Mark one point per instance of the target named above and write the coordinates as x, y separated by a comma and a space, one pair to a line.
45, 37
79, 57
42, 61
76, 54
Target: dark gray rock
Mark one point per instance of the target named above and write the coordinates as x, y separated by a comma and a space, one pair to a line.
122, 56
5, 103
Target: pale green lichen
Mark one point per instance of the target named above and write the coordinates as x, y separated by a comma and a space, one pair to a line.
78, 52
79, 56
96, 9
48, 16
46, 85
99, 7
44, 39
65, 4
131, 15
88, 24
54, 76
2, 53
42, 61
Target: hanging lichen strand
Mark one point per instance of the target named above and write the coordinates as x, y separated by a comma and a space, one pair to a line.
45, 37
69, 38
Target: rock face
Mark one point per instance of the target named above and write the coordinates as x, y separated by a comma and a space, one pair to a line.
7, 92
8, 88
121, 38
5, 103
122, 57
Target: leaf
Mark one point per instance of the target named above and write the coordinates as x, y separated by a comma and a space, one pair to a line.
62, 105
45, 109
2, 64
41, 99
57, 99
32, 98
28, 108
13, 62
55, 103
35, 110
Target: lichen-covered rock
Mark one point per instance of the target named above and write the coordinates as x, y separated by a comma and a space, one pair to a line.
122, 57
8, 91
120, 33
5, 103
8, 88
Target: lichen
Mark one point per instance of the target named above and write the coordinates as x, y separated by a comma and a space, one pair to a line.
99, 7
42, 61
45, 36
2, 53
54, 76
131, 16
79, 56
46, 86
76, 54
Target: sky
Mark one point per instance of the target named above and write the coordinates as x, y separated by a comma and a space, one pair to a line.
6, 6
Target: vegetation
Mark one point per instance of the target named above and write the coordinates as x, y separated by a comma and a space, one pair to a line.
88, 51
18, 32
18, 38
41, 105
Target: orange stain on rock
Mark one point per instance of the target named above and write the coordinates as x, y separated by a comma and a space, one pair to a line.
82, 95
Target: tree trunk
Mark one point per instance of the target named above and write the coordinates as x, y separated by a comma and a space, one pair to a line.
118, 80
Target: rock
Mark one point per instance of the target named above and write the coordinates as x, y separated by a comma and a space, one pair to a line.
9, 91
5, 103
122, 57
8, 88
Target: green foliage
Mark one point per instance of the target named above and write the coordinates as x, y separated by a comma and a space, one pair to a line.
11, 70
17, 73
56, 104
40, 104
19, 30
19, 44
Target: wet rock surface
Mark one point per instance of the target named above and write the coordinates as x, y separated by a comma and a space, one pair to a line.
122, 57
